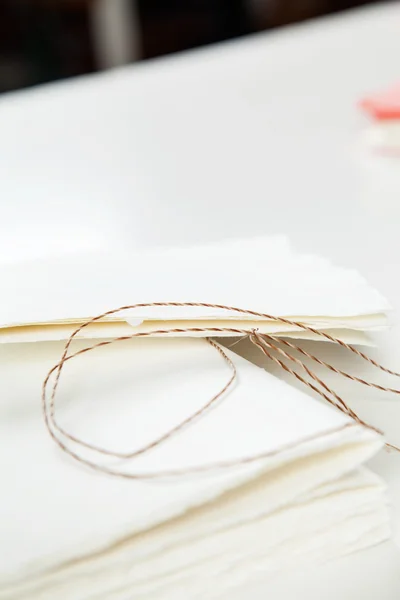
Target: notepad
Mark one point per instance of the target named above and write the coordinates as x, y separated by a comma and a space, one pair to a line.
48, 299
71, 533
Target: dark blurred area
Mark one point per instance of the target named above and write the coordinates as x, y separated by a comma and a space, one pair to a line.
48, 40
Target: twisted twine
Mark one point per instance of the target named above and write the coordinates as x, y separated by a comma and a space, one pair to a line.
266, 344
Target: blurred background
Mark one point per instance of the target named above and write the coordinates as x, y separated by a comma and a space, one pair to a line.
48, 40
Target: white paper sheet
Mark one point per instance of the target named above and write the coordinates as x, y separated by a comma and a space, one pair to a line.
54, 511
262, 275
113, 329
197, 554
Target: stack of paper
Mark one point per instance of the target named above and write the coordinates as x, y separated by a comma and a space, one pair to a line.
48, 299
73, 534
289, 486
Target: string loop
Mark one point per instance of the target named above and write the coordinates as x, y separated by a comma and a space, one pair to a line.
267, 344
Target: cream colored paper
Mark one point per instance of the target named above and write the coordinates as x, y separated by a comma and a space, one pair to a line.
113, 329
197, 552
49, 298
124, 395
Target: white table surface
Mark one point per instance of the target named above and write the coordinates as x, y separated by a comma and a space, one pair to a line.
253, 137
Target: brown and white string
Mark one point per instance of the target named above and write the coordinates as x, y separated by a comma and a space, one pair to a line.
267, 344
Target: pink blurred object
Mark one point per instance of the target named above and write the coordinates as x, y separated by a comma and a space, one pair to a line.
383, 105
384, 108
